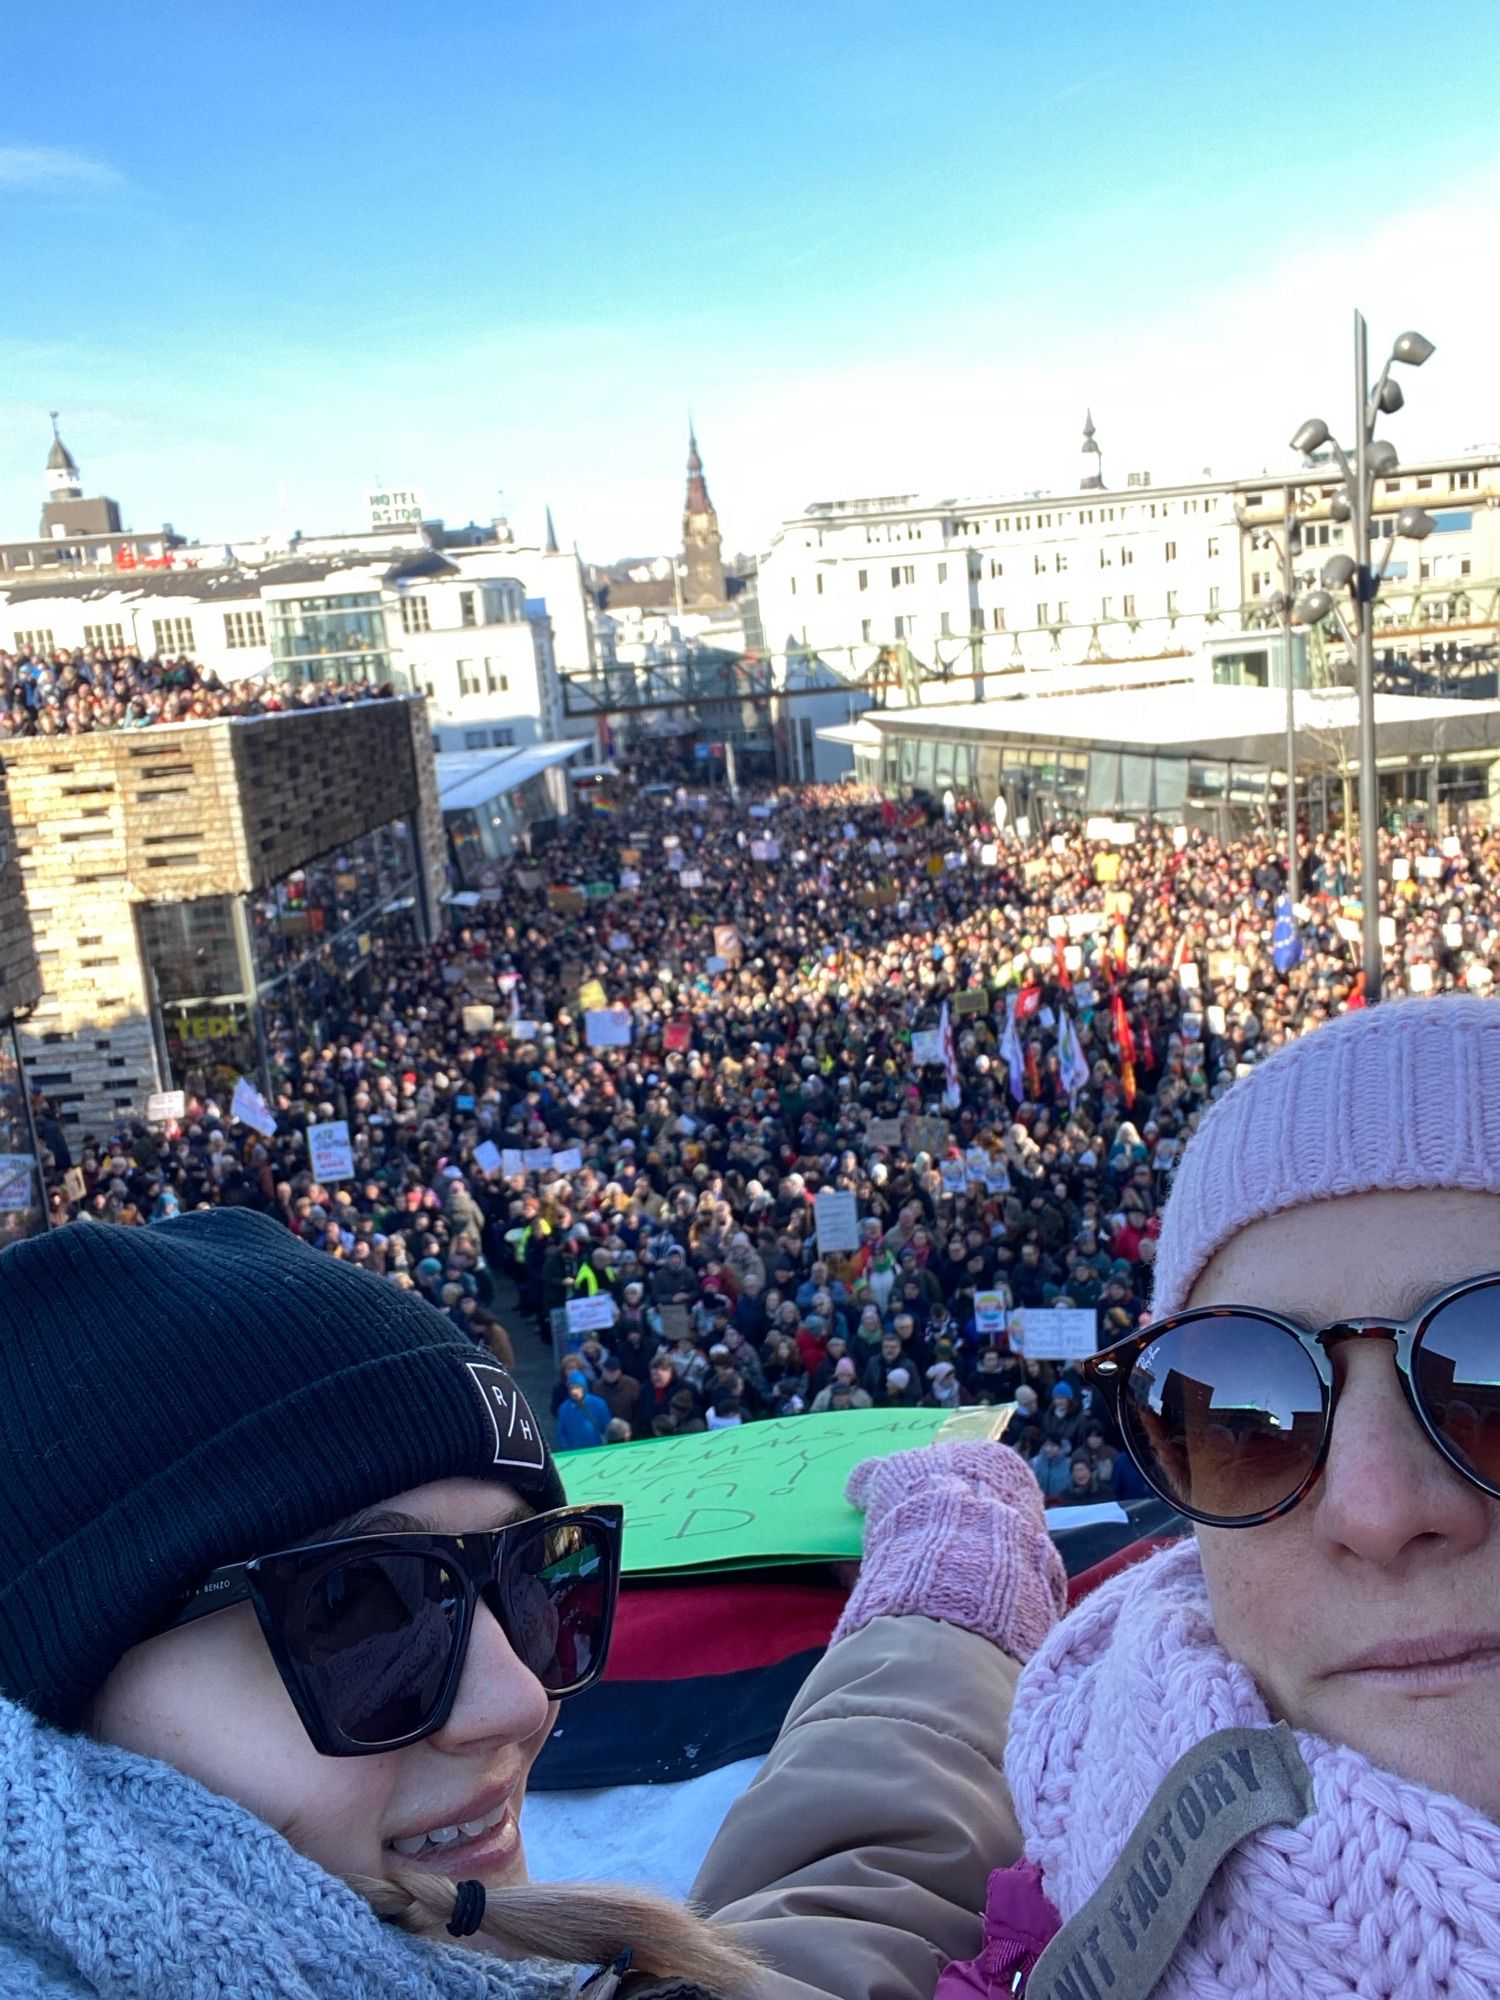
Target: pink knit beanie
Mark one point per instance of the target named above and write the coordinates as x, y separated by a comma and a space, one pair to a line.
1402, 1095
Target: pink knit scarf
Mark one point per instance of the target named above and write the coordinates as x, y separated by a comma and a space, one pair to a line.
1385, 1890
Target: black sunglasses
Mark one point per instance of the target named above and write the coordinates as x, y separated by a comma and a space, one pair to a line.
1228, 1410
369, 1633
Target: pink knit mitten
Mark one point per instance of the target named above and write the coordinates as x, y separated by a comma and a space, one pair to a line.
957, 1532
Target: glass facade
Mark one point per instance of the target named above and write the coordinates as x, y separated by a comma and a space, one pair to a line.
237, 982
23, 1209
331, 639
480, 836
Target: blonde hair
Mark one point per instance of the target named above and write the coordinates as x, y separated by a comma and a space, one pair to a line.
574, 1924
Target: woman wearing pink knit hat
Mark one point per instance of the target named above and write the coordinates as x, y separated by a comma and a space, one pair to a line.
1266, 1762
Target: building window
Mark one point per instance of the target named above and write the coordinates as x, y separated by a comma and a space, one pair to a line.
1424, 485
502, 739
39, 641
1213, 597
997, 619
902, 573
1106, 607
1213, 545
466, 614
111, 637
244, 628
414, 616
1059, 561
1062, 614
945, 627
1126, 556
1038, 565
900, 628
864, 629
1465, 566
468, 680
819, 580
1170, 551
1465, 481
996, 568
495, 682
172, 635
794, 586
864, 579
474, 739
1171, 603
1041, 615
1129, 607
943, 572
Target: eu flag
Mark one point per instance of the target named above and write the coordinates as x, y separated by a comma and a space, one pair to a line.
1286, 939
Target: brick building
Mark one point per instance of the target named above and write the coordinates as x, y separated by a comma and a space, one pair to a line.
198, 893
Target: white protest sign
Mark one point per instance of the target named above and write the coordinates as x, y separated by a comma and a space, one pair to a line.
536, 1159
989, 1312
1386, 929
1187, 976
164, 1105
691, 878
1419, 977
15, 1181
523, 1031
989, 854
1054, 1333
926, 1046
765, 850
607, 1028
630, 878
1081, 923
592, 1314
836, 1213
328, 1150
1400, 869
511, 1160
1451, 846
478, 1019
760, 812
1429, 867
250, 1108
487, 1157
568, 1159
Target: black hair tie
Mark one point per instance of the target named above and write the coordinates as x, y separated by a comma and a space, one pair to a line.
468, 1910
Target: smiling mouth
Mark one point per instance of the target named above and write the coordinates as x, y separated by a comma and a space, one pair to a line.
440, 1839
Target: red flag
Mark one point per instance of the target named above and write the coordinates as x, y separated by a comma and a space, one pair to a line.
1033, 1073
1027, 1002
1127, 1083
1148, 1053
1062, 965
1124, 1038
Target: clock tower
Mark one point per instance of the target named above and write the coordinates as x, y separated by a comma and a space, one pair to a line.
702, 557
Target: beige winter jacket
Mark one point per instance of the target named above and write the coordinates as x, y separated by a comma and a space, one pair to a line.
856, 1863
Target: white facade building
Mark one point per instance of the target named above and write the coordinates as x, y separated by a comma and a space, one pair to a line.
1112, 577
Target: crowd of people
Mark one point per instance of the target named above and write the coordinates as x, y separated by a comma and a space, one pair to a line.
630, 1077
73, 693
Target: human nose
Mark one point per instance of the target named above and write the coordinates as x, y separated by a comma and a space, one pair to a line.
499, 1699
1387, 1495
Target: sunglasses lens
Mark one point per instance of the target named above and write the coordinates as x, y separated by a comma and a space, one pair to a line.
1456, 1372
556, 1592
377, 1634
1225, 1416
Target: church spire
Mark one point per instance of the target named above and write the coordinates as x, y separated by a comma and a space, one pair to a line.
1092, 459
551, 546
63, 481
702, 558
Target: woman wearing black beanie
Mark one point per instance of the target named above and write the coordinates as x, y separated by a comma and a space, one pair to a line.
280, 1526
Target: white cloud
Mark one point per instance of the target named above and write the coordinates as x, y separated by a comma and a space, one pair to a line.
53, 167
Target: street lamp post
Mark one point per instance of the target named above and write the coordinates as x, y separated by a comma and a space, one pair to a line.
1289, 495
1373, 459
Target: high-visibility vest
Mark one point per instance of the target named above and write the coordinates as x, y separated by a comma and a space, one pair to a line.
587, 1281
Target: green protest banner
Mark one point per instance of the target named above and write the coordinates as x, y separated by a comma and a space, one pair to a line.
755, 1494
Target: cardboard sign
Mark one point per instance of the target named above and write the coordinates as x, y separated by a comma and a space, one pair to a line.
329, 1152
607, 1028
727, 944
878, 899
592, 995
836, 1213
1054, 1333
487, 1157
248, 1107
591, 1315
570, 901
74, 1185
675, 1323
925, 1135
973, 1000
478, 1020
884, 1132
162, 1106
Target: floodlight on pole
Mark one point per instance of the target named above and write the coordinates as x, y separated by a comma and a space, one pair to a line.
1310, 437
1390, 399
1413, 349
1339, 508
1338, 572
1414, 524
1380, 458
1313, 607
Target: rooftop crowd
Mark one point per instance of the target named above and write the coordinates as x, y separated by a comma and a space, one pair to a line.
73, 693
766, 998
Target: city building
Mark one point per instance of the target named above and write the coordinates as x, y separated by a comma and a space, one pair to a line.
81, 534
200, 894
23, 1204
895, 592
495, 803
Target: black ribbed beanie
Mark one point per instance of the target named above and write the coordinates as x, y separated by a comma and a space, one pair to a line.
197, 1393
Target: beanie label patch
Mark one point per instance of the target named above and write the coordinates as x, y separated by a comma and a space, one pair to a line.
518, 1437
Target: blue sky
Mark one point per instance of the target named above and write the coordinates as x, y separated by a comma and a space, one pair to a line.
265, 259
